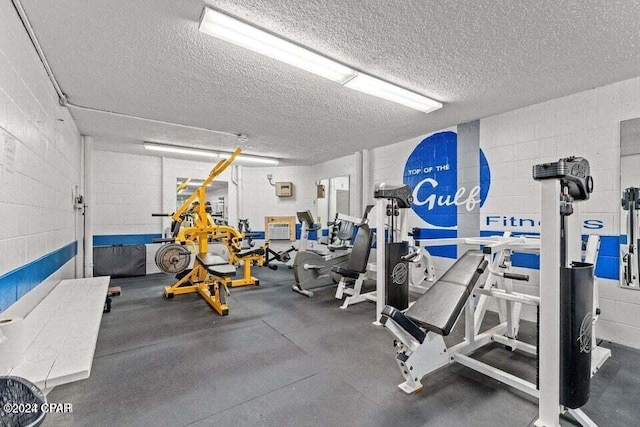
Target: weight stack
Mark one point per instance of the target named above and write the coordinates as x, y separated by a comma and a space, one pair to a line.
576, 328
397, 275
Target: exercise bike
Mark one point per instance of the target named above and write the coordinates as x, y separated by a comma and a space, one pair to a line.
312, 267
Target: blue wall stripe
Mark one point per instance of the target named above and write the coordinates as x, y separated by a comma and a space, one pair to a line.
124, 239
449, 251
313, 234
608, 265
16, 283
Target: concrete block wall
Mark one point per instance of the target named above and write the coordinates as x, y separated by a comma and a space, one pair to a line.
127, 190
130, 187
343, 166
258, 198
584, 124
39, 165
387, 166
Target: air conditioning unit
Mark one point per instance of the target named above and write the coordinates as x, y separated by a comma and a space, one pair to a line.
280, 228
279, 231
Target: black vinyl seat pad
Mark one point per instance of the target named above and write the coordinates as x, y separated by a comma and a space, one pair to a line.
438, 309
216, 265
359, 256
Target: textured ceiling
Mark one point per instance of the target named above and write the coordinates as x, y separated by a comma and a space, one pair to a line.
147, 58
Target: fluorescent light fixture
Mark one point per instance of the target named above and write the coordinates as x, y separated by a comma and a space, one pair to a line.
179, 150
251, 159
207, 153
224, 27
390, 92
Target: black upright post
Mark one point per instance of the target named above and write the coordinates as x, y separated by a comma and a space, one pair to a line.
576, 327
397, 272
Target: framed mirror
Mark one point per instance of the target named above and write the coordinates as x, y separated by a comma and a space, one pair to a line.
630, 206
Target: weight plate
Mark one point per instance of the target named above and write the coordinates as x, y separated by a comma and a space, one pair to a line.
173, 258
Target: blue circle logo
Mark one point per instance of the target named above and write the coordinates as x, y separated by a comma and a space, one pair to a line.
432, 173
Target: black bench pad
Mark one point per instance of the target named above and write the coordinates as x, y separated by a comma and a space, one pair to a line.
438, 309
216, 265
251, 251
397, 316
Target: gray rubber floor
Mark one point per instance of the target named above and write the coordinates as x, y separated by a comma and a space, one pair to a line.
281, 359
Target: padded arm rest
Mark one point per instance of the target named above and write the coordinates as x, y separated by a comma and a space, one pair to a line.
403, 321
345, 272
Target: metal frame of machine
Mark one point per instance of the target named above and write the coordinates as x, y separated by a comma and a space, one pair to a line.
391, 206
417, 358
630, 253
312, 269
206, 278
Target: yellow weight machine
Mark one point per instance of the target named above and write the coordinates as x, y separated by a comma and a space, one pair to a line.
211, 275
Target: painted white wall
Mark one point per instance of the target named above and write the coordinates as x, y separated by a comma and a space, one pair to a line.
259, 197
130, 187
39, 156
584, 124
127, 189
343, 166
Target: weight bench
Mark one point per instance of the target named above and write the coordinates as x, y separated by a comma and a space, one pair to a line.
216, 265
209, 278
422, 327
356, 270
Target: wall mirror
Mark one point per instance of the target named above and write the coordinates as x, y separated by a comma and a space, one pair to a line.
630, 206
336, 199
217, 195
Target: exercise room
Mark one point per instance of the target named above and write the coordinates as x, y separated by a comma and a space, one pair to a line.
319, 213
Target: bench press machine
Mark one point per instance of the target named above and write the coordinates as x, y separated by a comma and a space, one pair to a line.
568, 355
211, 275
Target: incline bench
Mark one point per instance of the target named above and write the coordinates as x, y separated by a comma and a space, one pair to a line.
420, 330
61, 324
440, 306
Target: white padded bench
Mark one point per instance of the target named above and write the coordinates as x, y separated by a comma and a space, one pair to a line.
61, 332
